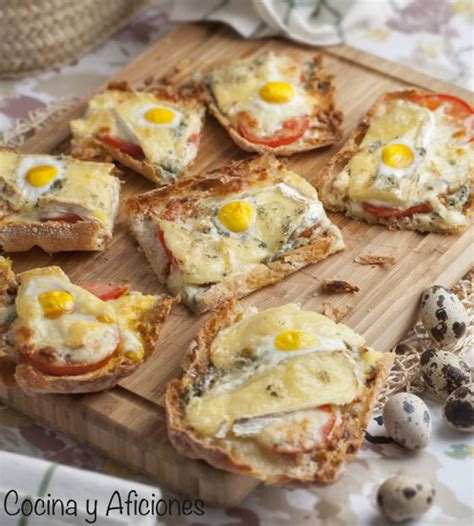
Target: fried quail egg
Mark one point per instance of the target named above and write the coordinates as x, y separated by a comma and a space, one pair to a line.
37, 174
161, 116
69, 319
235, 217
276, 102
291, 343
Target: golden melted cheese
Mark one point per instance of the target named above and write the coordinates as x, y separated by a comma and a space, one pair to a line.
163, 130
85, 188
83, 331
267, 86
78, 325
132, 310
258, 378
210, 247
409, 156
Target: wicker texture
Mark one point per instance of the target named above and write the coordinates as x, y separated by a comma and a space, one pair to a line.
43, 34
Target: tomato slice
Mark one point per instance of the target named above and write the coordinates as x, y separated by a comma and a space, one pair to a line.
54, 369
103, 291
65, 218
169, 254
290, 132
134, 150
394, 213
195, 138
454, 106
327, 427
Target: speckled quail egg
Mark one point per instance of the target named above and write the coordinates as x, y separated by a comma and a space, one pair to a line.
403, 497
443, 315
443, 372
458, 410
407, 420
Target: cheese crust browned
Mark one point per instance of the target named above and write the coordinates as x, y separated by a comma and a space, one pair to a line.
35, 381
324, 118
445, 213
292, 455
182, 141
221, 264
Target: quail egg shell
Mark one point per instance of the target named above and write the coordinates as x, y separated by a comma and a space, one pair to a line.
443, 315
407, 420
443, 372
403, 497
458, 410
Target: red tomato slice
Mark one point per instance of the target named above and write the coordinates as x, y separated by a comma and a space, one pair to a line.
327, 427
290, 132
134, 150
54, 369
169, 254
103, 291
65, 218
454, 106
394, 213
195, 138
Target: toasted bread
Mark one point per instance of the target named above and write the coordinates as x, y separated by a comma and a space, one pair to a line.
445, 213
284, 420
91, 134
324, 120
222, 264
42, 367
62, 215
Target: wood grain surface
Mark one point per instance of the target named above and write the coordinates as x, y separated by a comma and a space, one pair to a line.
128, 422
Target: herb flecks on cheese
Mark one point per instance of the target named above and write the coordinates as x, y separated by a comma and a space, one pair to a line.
252, 375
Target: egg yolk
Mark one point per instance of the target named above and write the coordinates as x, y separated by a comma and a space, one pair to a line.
397, 155
56, 303
236, 216
160, 115
41, 175
276, 92
295, 341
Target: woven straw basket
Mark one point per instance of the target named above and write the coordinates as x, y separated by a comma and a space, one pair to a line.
41, 34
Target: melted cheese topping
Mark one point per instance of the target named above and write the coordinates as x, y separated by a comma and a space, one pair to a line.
220, 239
85, 332
132, 310
267, 86
257, 378
79, 326
84, 188
162, 129
407, 157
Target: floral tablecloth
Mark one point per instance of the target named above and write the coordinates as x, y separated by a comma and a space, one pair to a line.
435, 36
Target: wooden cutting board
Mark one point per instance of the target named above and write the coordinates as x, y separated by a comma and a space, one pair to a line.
128, 422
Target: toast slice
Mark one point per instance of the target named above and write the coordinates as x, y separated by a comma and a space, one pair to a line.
67, 338
409, 164
283, 395
275, 103
55, 202
154, 132
231, 231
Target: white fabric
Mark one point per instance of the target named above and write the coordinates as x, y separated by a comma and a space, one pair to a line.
31, 477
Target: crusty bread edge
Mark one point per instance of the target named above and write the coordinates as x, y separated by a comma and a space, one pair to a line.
188, 442
324, 180
53, 236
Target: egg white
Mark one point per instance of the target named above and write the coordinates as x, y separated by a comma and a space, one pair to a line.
33, 193
269, 355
